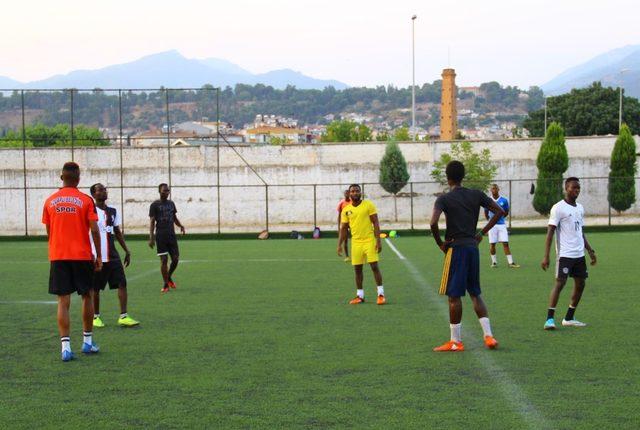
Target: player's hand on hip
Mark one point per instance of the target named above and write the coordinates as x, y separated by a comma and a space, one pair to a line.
478, 237
545, 263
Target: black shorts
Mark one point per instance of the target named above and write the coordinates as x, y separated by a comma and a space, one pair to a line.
112, 273
461, 272
167, 245
69, 276
574, 267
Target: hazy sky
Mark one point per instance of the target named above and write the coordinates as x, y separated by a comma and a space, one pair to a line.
516, 42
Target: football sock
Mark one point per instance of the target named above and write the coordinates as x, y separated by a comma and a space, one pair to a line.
66, 343
510, 258
380, 290
486, 326
124, 315
455, 332
87, 337
360, 293
96, 316
550, 313
570, 313
494, 259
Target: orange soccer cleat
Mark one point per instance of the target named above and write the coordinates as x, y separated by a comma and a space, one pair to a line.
490, 342
450, 346
164, 289
381, 300
171, 284
356, 301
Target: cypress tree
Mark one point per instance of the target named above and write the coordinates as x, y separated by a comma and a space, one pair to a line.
622, 187
393, 172
552, 162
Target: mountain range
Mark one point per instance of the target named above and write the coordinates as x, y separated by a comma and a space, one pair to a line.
613, 68
171, 69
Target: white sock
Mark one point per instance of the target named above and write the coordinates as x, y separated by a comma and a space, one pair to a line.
86, 337
124, 315
494, 259
486, 326
96, 316
510, 258
66, 343
455, 332
360, 293
380, 290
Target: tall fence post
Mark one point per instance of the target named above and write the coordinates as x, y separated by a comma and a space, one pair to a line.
218, 153
72, 133
166, 97
315, 217
121, 159
24, 165
510, 205
266, 202
609, 214
411, 200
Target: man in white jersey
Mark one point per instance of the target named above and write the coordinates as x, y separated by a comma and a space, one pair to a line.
566, 221
109, 221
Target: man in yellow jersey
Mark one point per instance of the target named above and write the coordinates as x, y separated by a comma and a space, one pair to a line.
361, 216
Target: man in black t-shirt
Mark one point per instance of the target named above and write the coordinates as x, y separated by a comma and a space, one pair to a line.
461, 272
162, 215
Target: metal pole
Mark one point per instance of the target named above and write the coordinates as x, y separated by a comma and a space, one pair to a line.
609, 214
121, 163
510, 205
266, 201
411, 197
218, 152
620, 109
315, 219
72, 134
545, 116
24, 166
413, 79
166, 94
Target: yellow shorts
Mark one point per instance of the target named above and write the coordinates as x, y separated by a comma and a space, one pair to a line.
362, 252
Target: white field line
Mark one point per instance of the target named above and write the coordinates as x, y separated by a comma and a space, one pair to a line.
509, 389
27, 302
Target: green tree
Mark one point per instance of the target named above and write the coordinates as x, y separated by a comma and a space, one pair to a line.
346, 131
40, 135
480, 171
402, 134
552, 162
622, 186
585, 112
393, 172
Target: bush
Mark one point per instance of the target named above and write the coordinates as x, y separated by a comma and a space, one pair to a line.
479, 169
552, 162
622, 186
393, 172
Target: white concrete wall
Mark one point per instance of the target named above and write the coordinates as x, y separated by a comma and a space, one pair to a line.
242, 208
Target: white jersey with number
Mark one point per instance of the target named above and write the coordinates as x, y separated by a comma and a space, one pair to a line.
568, 221
107, 221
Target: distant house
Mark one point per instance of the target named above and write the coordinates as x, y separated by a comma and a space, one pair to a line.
264, 134
476, 91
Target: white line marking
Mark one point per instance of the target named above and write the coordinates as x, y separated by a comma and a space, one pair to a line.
27, 302
510, 390
394, 249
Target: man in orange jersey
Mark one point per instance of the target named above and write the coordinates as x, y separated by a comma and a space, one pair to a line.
69, 215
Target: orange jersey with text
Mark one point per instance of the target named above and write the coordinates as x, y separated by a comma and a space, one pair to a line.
68, 213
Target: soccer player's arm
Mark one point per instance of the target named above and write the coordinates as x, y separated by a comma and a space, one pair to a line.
120, 237
176, 221
497, 212
590, 250
438, 208
45, 218
506, 208
551, 229
373, 217
152, 224
92, 216
342, 232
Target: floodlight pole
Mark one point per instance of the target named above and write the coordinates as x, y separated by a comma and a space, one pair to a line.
413, 80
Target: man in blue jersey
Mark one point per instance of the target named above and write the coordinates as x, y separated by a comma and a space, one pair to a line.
499, 232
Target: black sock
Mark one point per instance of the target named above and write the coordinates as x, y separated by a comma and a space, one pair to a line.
550, 313
570, 313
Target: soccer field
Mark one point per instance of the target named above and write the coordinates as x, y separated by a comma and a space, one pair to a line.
259, 335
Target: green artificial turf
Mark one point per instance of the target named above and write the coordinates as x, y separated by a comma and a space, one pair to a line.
259, 335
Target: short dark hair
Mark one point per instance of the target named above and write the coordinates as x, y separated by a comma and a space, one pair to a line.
354, 185
495, 185
455, 171
71, 167
162, 185
93, 187
571, 179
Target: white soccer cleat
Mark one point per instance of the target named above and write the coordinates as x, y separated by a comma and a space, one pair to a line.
573, 323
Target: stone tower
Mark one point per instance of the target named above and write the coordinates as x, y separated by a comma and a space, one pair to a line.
448, 111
